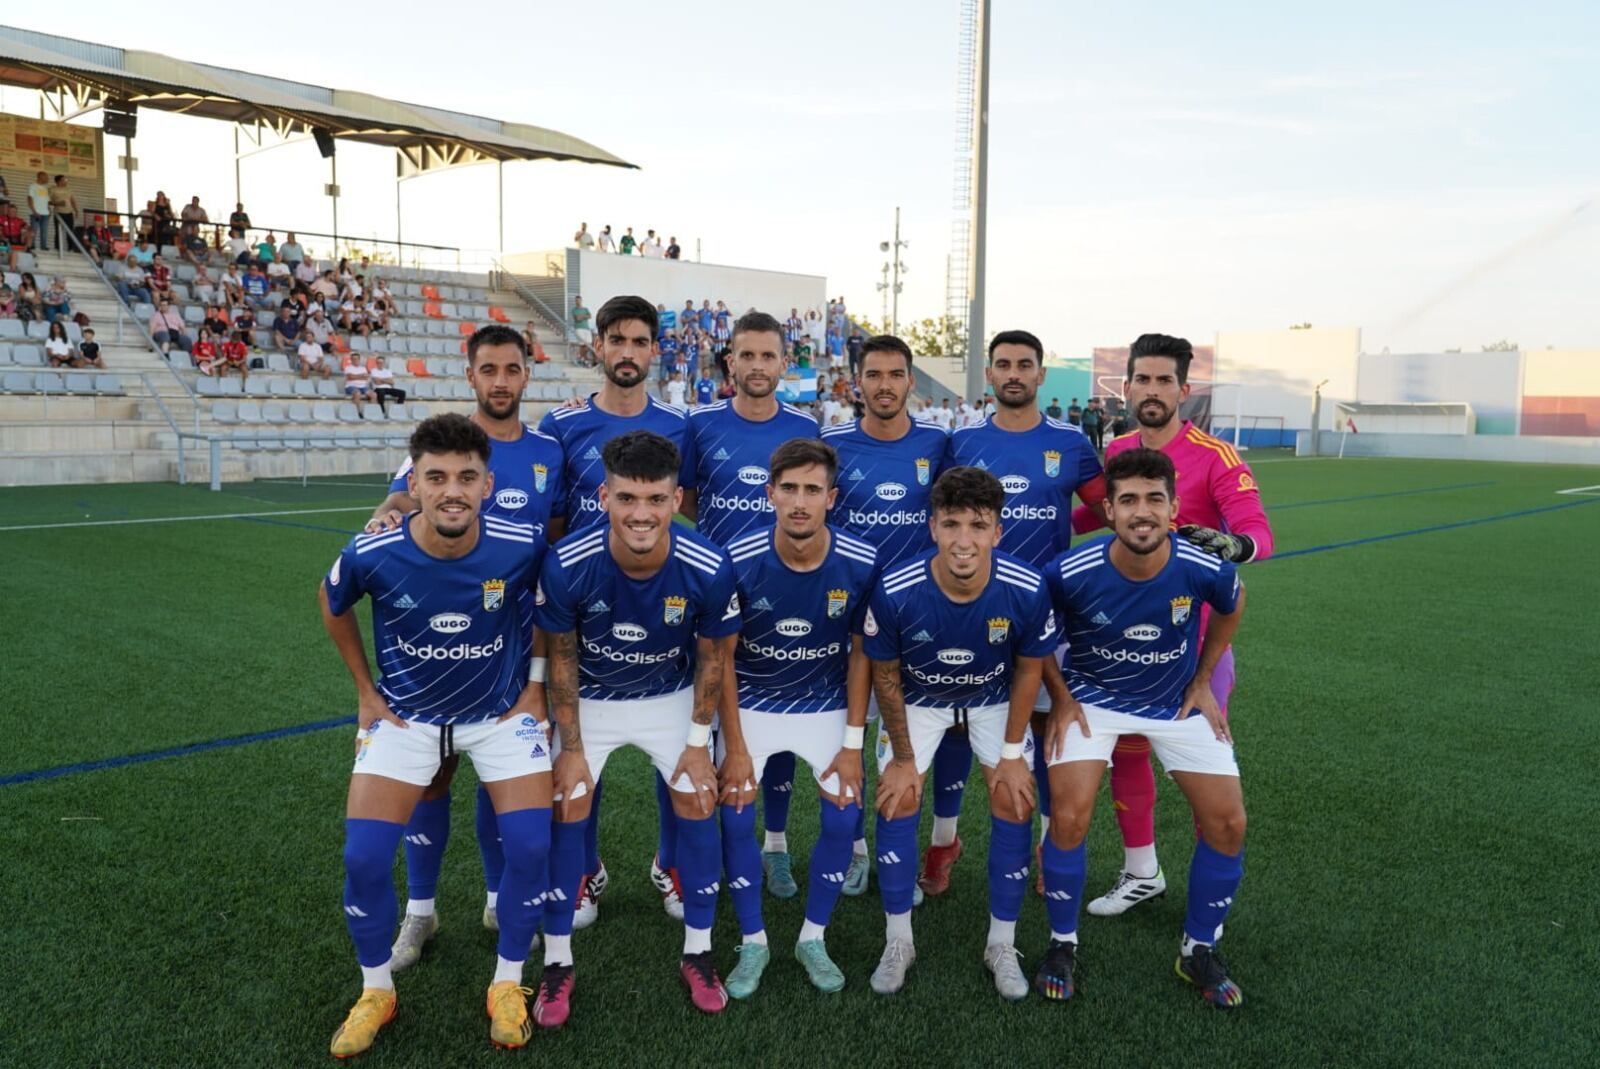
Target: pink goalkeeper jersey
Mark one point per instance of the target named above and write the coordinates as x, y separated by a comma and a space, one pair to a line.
1215, 488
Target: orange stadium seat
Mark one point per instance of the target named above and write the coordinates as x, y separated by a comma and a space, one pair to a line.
465, 328
339, 344
430, 291
498, 314
463, 348
432, 310
418, 367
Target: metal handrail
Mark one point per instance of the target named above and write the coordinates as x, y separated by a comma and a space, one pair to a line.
534, 301
124, 308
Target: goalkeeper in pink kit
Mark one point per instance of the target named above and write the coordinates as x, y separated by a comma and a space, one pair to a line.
1219, 510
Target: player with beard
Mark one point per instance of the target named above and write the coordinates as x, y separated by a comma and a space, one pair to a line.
1130, 608
1220, 512
1041, 462
733, 440
628, 334
528, 483
887, 466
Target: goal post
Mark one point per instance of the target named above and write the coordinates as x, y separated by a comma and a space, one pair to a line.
1227, 404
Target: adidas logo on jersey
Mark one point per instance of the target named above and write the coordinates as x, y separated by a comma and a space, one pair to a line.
921, 636
1099, 619
404, 602
592, 454
855, 475
600, 606
720, 454
761, 605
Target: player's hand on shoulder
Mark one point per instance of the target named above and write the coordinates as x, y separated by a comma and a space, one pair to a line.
572, 402
371, 708
737, 780
384, 521
1063, 714
1197, 697
848, 767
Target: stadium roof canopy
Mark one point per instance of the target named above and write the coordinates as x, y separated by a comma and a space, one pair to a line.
425, 138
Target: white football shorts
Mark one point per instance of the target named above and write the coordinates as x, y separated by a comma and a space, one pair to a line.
1187, 745
815, 738
499, 749
986, 731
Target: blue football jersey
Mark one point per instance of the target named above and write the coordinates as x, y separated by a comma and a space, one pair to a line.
451, 646
1040, 469
529, 484
665, 321
1134, 645
884, 487
636, 637
793, 654
583, 434
952, 655
705, 390
732, 474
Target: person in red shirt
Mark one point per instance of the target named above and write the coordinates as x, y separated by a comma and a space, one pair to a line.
160, 278
1219, 510
204, 353
235, 354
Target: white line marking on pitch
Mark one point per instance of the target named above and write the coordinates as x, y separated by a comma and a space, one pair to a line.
179, 519
1590, 491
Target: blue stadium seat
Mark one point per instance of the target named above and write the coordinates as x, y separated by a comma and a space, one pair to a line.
225, 412
329, 388
347, 440
249, 412
325, 412
48, 382
273, 412
349, 413
279, 386
256, 386
79, 382
27, 355
16, 382
231, 387
398, 412
12, 328
299, 412
305, 388
108, 384
419, 412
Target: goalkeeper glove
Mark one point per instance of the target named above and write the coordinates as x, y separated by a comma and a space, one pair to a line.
1237, 548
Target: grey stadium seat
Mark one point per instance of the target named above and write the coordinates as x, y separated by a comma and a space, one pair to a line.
49, 382
419, 412
325, 412
17, 382
349, 413
273, 412
26, 355
305, 388
107, 384
299, 412
370, 411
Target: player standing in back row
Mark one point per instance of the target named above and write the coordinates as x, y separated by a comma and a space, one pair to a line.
1219, 510
641, 615
628, 333
733, 441
887, 466
528, 489
1040, 462
1130, 606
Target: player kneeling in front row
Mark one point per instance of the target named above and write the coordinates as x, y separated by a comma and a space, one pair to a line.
801, 681
454, 679
1130, 608
958, 636
640, 614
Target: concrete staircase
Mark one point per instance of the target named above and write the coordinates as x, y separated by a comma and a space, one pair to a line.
47, 440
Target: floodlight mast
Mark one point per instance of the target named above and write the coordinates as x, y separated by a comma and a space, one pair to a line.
980, 203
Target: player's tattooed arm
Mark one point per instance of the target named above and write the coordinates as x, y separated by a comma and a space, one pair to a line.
710, 665
561, 686
892, 705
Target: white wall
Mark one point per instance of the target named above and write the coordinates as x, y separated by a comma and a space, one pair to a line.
601, 276
1489, 382
1278, 370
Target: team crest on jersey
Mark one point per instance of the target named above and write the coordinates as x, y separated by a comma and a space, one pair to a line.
999, 630
922, 471
541, 476
837, 599
494, 594
1180, 609
675, 607
1246, 483
1052, 463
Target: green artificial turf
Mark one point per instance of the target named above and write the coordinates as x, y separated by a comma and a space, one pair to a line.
1415, 718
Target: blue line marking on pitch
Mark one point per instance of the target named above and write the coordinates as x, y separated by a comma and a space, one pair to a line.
177, 751
1427, 530
1373, 497
291, 523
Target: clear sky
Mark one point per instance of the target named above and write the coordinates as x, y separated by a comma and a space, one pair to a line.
1414, 169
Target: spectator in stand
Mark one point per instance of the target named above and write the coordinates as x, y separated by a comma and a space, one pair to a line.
216, 322
57, 348
290, 251
852, 349
65, 207
666, 319
1094, 422
57, 300
801, 352
793, 327
723, 331
357, 382
39, 210
311, 358
238, 248
89, 351
944, 416
707, 318
1054, 409
1075, 413
160, 277
651, 249
530, 338
321, 327
244, 327
234, 354
278, 275
378, 314
607, 242
670, 347
206, 290
343, 273
305, 273
988, 405
705, 387
166, 231
205, 353
193, 217
143, 251
583, 239
132, 285
195, 250
8, 302
326, 287
379, 291
15, 234
266, 250
356, 288
628, 244
676, 391
256, 288
580, 320
97, 240
383, 386
166, 327
30, 302
239, 219
353, 316
690, 345
673, 251
286, 327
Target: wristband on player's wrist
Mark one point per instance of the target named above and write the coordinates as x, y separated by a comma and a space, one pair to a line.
1011, 751
854, 737
699, 735
537, 668
1247, 549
